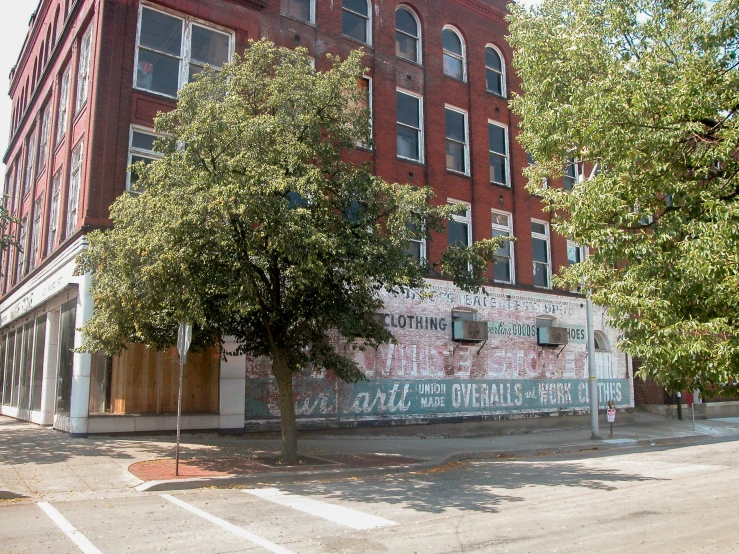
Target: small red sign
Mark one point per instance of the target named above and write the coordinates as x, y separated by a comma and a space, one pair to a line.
611, 416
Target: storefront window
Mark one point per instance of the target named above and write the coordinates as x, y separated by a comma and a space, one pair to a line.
38, 362
102, 371
24, 389
2, 365
9, 368
66, 357
17, 366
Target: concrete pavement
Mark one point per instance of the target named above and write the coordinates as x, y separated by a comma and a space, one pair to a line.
42, 463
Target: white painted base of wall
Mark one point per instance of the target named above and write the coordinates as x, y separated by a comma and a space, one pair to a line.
38, 417
148, 423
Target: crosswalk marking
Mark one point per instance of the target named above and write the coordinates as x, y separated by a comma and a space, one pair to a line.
337, 514
236, 530
68, 529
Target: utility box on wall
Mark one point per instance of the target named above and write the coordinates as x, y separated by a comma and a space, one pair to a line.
551, 336
465, 330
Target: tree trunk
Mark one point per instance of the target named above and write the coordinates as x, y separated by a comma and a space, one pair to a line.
287, 411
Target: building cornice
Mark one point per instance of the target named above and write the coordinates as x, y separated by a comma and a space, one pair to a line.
256, 4
487, 11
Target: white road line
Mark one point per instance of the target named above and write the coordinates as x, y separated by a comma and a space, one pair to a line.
68, 529
337, 514
235, 529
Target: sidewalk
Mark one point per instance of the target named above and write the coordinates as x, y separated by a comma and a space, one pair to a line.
40, 462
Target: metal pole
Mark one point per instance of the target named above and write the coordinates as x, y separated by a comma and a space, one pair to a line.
593, 379
693, 407
179, 416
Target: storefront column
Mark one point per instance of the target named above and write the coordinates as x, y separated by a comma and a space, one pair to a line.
82, 363
51, 360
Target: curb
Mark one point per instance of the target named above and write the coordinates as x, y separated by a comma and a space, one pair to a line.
296, 477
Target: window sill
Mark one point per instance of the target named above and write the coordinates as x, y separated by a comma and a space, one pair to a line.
493, 93
410, 160
352, 39
501, 185
303, 21
463, 81
417, 64
460, 173
155, 93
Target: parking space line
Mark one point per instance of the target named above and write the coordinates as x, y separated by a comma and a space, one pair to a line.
337, 514
68, 529
235, 529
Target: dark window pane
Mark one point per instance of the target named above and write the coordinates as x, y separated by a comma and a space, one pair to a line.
161, 32
25, 377
539, 248
492, 59
505, 249
66, 357
502, 269
498, 170
458, 233
297, 8
354, 26
408, 143
453, 67
8, 381
409, 110
452, 43
158, 73
541, 278
295, 200
414, 250
209, 46
455, 126
455, 156
494, 81
359, 6
38, 362
405, 22
192, 71
538, 228
405, 47
17, 366
3, 341
496, 139
143, 141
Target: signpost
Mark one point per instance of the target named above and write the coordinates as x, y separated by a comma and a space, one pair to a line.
184, 337
611, 414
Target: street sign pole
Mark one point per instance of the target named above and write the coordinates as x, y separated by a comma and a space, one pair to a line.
184, 337
592, 374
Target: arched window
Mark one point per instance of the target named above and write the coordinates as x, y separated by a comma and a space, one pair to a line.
601, 342
454, 65
355, 20
407, 35
494, 71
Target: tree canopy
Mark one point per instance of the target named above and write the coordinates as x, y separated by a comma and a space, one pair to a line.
254, 225
643, 94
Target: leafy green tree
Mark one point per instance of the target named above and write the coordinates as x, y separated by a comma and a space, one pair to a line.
7, 239
254, 225
644, 93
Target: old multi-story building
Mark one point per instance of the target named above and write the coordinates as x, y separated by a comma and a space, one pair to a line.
90, 78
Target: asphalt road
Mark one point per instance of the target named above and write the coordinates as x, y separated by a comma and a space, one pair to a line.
677, 499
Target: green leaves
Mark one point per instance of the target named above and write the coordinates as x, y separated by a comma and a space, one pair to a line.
647, 90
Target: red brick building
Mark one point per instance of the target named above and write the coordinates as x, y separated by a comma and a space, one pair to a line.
91, 76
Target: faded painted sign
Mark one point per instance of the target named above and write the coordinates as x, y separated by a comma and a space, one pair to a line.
382, 398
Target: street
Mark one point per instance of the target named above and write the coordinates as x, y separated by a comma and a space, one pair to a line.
655, 499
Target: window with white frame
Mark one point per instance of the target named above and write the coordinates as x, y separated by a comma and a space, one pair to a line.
459, 226
43, 146
20, 258
494, 71
407, 35
410, 125
541, 254
457, 143
454, 54
499, 158
575, 253
54, 212
172, 49
356, 20
503, 267
83, 72
61, 119
75, 178
140, 149
33, 251
299, 9
417, 247
572, 175
30, 164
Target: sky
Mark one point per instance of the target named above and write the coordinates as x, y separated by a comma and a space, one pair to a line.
13, 29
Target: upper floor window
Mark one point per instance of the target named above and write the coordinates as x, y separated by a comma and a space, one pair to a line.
457, 145
503, 264
407, 35
172, 50
417, 247
409, 125
83, 73
572, 175
54, 212
355, 20
454, 55
20, 257
30, 164
35, 233
43, 145
460, 226
494, 71
75, 180
541, 255
498, 148
61, 120
299, 9
141, 149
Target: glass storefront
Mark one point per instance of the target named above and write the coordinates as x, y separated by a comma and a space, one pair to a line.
66, 357
39, 348
22, 365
